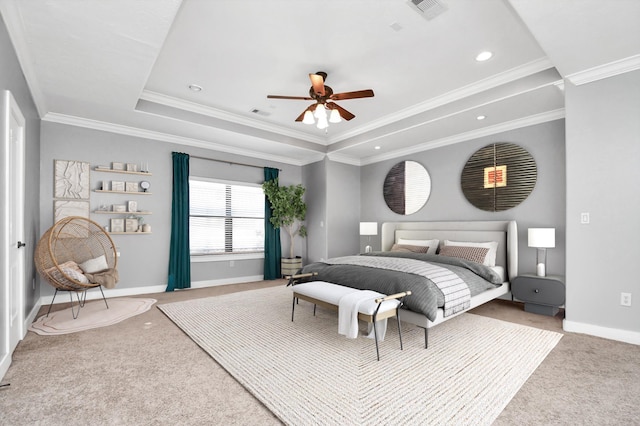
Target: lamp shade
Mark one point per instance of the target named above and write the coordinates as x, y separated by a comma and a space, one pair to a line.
308, 117
334, 116
368, 228
542, 237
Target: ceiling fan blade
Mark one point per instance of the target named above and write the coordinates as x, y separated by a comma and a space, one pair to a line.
317, 81
346, 115
352, 95
301, 98
309, 108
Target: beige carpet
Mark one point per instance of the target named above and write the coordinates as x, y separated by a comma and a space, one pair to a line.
305, 373
93, 314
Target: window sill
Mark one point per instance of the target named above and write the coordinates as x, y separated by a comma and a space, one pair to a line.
226, 257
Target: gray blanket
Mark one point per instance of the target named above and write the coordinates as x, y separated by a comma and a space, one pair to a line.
426, 298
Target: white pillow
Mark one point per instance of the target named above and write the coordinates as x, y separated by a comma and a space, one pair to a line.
490, 259
432, 244
94, 265
75, 275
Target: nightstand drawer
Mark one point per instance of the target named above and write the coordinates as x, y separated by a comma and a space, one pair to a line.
539, 290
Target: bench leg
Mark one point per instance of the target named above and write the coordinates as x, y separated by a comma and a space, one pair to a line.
293, 307
426, 337
375, 334
399, 328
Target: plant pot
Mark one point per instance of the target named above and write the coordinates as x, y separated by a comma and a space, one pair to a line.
290, 266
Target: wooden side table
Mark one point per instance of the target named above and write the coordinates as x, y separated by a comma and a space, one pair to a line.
542, 295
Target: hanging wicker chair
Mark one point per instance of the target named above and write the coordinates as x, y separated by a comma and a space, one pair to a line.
69, 243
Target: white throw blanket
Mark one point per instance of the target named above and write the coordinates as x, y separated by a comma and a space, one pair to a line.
348, 314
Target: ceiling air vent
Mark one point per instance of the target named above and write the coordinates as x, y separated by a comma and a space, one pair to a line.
260, 112
428, 9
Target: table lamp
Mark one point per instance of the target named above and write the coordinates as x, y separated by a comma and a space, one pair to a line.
368, 229
541, 239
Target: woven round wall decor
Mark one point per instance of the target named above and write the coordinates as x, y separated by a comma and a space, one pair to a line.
499, 177
407, 187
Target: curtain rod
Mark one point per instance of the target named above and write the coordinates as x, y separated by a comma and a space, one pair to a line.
228, 162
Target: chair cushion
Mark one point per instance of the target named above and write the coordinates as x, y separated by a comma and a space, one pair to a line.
321, 290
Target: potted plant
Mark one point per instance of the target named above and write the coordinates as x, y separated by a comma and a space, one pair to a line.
288, 210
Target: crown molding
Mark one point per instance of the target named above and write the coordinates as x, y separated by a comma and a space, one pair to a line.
600, 72
228, 116
13, 22
452, 96
162, 137
345, 159
459, 111
467, 136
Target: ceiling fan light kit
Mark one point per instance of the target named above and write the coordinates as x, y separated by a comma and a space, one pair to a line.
308, 117
334, 117
321, 94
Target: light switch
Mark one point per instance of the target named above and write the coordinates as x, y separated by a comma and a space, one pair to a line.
584, 218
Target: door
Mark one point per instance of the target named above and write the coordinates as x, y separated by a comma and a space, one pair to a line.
13, 252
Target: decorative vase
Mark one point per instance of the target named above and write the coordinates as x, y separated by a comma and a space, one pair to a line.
146, 228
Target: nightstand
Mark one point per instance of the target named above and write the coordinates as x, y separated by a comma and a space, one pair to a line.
542, 295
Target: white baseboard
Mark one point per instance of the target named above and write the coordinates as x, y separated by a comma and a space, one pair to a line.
94, 294
225, 281
32, 316
626, 336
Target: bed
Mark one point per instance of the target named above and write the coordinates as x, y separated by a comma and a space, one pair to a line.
432, 302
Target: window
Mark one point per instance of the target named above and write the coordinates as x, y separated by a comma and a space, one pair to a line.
225, 217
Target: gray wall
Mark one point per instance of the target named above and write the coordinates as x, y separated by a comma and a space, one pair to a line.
545, 207
12, 79
343, 209
603, 178
144, 258
333, 209
314, 180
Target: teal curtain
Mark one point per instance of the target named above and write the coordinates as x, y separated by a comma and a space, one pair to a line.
179, 253
272, 250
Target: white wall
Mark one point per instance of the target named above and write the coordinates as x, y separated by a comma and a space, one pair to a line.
603, 178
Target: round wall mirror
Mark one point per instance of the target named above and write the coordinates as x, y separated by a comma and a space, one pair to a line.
407, 187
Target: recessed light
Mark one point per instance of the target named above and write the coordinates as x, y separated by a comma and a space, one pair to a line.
195, 87
484, 56
377, 147
481, 117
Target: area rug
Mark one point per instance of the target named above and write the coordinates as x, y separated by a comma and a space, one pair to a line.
93, 314
307, 374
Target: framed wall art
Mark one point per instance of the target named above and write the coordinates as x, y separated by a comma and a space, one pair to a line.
117, 225
131, 186
71, 179
130, 225
66, 208
117, 185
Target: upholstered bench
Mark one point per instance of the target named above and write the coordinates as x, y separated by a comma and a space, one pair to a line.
328, 295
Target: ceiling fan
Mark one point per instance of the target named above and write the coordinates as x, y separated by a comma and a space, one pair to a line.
323, 95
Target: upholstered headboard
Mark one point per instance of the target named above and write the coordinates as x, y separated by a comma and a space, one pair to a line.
504, 232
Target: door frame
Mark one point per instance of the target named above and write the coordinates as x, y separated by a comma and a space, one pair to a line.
12, 165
